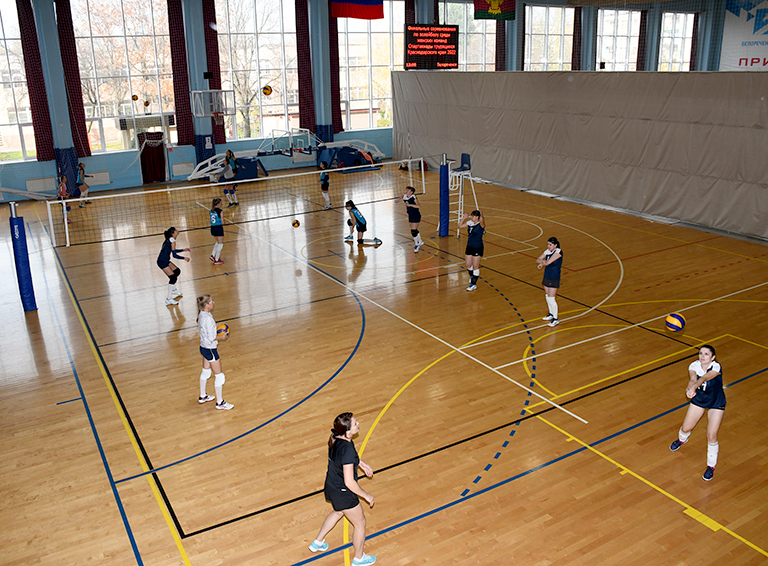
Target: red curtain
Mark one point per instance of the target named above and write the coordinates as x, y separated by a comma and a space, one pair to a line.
38, 99
184, 124
152, 158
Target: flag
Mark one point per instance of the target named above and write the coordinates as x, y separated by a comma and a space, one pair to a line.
360, 9
494, 9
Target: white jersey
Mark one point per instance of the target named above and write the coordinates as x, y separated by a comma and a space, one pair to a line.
207, 327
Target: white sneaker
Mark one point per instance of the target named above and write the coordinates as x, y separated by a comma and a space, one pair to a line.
555, 322
224, 406
202, 400
548, 317
348, 238
327, 207
471, 287
177, 294
416, 248
170, 302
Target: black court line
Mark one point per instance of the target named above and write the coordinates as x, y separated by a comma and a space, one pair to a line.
119, 398
442, 448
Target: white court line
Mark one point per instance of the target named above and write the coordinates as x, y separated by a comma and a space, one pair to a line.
539, 355
408, 322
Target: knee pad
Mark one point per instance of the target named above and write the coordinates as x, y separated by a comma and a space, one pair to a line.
414, 233
172, 279
226, 192
206, 373
219, 380
476, 273
349, 222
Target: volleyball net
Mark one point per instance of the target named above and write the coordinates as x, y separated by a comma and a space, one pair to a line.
150, 212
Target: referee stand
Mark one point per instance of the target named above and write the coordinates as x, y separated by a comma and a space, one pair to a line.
456, 188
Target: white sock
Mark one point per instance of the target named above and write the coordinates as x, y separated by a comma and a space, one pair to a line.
229, 197
170, 292
683, 436
219, 394
204, 375
234, 196
419, 241
712, 450
327, 198
217, 251
552, 304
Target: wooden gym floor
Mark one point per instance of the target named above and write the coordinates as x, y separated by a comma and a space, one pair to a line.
109, 459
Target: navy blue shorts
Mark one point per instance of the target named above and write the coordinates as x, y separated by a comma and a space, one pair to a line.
474, 251
217, 231
554, 283
361, 227
210, 354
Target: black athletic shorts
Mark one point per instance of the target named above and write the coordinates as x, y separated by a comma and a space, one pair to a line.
554, 283
342, 500
474, 251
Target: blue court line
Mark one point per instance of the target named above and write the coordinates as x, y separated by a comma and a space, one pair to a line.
95, 433
288, 410
508, 480
70, 400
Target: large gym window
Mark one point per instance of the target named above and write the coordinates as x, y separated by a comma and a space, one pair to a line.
676, 41
548, 38
123, 51
618, 35
477, 38
17, 138
369, 50
257, 48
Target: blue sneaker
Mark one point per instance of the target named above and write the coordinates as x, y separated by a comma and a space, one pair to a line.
322, 547
377, 242
675, 446
709, 473
366, 559
348, 238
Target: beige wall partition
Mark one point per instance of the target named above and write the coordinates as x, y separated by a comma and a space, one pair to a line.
686, 146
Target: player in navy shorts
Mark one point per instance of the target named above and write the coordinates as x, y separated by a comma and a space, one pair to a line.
217, 230
705, 390
475, 225
413, 208
552, 262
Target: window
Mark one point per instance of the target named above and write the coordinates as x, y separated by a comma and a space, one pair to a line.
369, 50
17, 137
618, 35
123, 50
676, 41
257, 47
477, 38
548, 38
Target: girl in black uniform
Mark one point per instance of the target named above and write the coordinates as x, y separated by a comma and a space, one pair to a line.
413, 207
342, 489
474, 252
705, 390
552, 262
169, 268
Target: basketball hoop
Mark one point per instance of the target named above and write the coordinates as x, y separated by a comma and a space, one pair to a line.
218, 118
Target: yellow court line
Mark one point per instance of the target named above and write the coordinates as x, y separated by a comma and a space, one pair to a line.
123, 418
688, 510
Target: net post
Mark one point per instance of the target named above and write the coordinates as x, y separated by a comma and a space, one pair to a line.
423, 176
21, 259
444, 204
66, 224
51, 231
